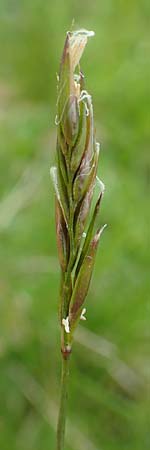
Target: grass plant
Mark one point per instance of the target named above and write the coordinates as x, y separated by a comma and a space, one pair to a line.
77, 187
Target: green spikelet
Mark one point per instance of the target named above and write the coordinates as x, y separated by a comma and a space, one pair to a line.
74, 181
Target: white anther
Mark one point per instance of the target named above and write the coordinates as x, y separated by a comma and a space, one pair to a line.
77, 77
84, 94
98, 147
102, 229
101, 184
84, 32
65, 323
82, 317
84, 234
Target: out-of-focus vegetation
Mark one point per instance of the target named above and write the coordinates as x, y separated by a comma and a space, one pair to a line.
109, 389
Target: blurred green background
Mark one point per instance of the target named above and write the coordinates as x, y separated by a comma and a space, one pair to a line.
109, 393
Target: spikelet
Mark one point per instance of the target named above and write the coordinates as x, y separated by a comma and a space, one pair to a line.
74, 181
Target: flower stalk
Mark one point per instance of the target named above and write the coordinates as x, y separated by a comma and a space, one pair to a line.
76, 185
63, 404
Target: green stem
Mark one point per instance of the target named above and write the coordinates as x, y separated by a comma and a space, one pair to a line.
63, 403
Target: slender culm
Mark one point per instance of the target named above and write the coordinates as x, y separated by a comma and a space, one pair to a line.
76, 185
